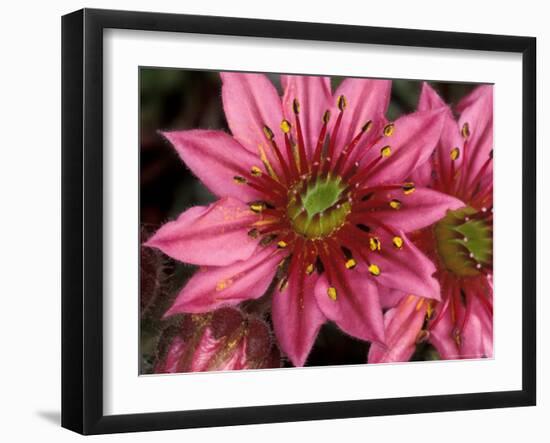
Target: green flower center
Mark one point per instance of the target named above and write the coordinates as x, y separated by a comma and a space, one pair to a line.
318, 207
465, 241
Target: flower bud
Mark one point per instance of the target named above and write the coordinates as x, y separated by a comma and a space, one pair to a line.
225, 339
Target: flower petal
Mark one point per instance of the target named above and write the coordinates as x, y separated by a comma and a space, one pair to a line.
450, 138
477, 334
421, 208
216, 159
314, 96
297, 317
477, 111
356, 309
412, 142
406, 268
250, 102
402, 324
212, 287
367, 99
214, 235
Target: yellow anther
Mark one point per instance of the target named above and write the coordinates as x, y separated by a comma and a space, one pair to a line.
267, 239
374, 244
374, 270
455, 154
309, 269
351, 263
326, 116
366, 127
408, 188
268, 133
342, 103
283, 284
257, 207
429, 310
465, 131
296, 106
239, 180
282, 244
385, 151
332, 293
395, 204
397, 242
255, 171
389, 129
285, 126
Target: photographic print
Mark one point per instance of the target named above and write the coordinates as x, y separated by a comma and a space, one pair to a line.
291, 220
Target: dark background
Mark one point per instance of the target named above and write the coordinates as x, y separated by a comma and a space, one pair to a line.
176, 99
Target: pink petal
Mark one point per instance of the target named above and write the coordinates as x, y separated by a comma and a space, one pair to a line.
214, 235
477, 334
314, 97
390, 298
171, 361
250, 102
297, 317
442, 337
421, 208
216, 158
442, 328
212, 287
450, 136
414, 138
402, 323
429, 99
406, 269
356, 309
367, 99
477, 111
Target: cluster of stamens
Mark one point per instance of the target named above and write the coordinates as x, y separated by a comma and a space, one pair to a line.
319, 207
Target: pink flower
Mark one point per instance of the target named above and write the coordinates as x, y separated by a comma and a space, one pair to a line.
222, 340
461, 244
313, 198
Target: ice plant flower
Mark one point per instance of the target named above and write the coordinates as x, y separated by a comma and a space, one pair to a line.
461, 244
313, 199
221, 340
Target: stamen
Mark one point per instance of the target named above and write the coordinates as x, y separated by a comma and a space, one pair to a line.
255, 171
310, 268
254, 233
304, 167
283, 284
395, 204
351, 263
282, 244
385, 151
389, 129
346, 152
363, 228
342, 103
258, 207
271, 137
239, 180
285, 126
374, 269
268, 239
465, 131
455, 154
397, 242
408, 188
320, 143
331, 292
374, 244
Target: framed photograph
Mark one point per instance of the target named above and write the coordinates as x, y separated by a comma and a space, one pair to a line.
270, 221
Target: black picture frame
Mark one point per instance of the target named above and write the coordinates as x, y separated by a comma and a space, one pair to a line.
82, 219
